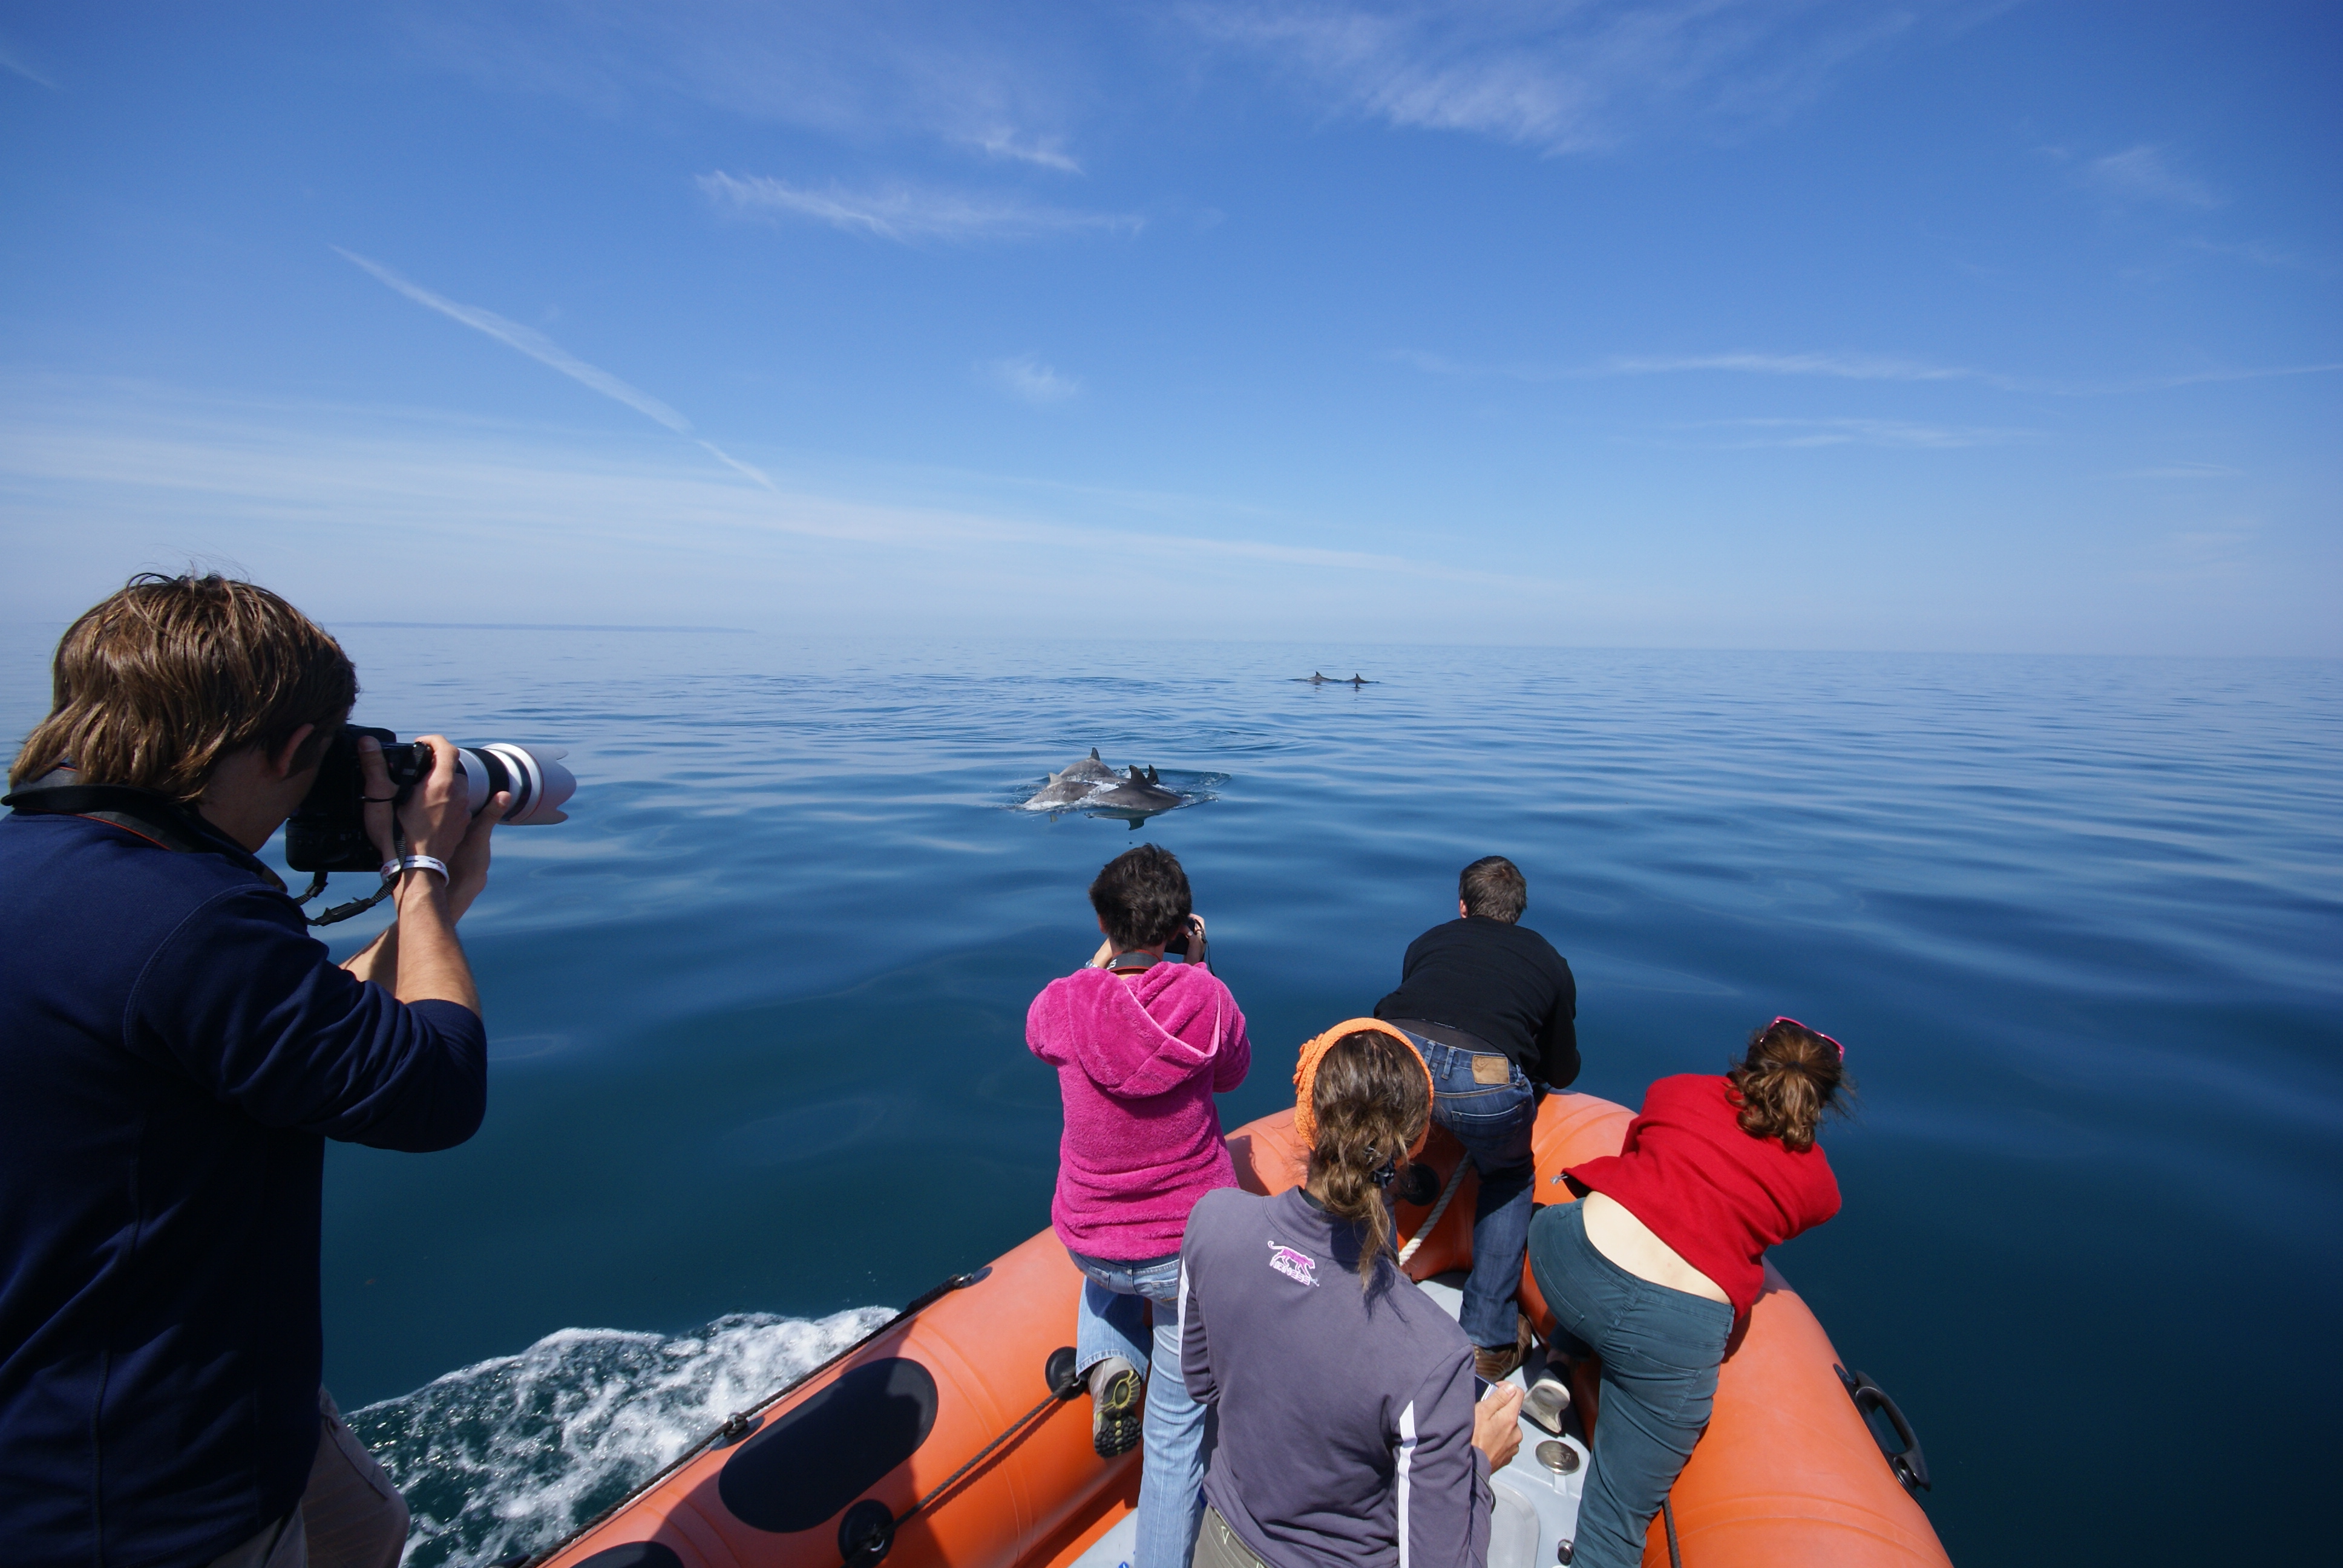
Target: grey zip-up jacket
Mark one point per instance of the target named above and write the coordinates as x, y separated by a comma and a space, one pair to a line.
1345, 1417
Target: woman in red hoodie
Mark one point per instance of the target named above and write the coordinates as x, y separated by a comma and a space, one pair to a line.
1141, 1046
1665, 1251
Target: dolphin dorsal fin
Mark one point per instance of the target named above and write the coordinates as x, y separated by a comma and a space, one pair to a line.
1094, 756
1150, 774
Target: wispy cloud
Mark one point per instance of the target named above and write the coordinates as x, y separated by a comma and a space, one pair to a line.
928, 68
2261, 254
1840, 366
1042, 152
907, 213
609, 529
2141, 174
1562, 78
11, 60
1026, 378
545, 351
2214, 544
2185, 471
1850, 432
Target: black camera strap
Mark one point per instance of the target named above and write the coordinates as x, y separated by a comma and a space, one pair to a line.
157, 818
167, 825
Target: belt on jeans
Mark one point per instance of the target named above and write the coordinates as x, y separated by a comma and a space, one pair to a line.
1463, 1039
1447, 1034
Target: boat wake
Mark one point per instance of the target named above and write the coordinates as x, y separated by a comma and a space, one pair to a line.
509, 1456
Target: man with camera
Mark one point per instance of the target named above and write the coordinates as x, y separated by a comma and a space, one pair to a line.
174, 1049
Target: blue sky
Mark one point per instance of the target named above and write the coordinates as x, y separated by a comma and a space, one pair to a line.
1712, 324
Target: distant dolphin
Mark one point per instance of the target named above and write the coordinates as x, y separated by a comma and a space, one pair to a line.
1315, 678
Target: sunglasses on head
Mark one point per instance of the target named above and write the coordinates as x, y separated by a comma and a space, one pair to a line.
1810, 1029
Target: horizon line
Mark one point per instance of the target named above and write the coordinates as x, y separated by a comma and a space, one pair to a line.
523, 626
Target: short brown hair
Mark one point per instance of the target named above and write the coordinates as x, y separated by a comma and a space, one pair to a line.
1494, 887
1142, 897
1790, 1076
155, 685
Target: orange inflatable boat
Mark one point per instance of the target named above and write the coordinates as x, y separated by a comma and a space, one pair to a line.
954, 1434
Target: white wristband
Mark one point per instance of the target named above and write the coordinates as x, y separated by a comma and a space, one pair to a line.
414, 863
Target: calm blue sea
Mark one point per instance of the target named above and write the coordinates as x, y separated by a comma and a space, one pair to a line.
757, 1018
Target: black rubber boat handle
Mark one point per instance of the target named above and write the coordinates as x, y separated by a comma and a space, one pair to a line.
1910, 1466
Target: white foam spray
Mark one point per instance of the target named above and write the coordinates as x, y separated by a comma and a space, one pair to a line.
509, 1456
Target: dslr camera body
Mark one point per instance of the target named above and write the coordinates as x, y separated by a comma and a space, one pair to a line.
327, 833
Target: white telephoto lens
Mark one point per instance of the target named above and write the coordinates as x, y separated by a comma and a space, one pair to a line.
479, 777
540, 785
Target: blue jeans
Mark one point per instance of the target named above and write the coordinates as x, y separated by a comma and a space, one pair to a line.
1659, 1349
1493, 1122
1109, 1322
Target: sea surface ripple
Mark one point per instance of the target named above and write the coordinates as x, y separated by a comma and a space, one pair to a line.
757, 1018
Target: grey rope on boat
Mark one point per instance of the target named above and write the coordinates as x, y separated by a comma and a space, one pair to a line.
871, 1552
1432, 1221
1024, 1422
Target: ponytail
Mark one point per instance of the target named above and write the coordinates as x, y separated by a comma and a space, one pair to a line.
1368, 1102
1790, 1076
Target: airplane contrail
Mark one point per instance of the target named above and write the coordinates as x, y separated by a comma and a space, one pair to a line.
545, 351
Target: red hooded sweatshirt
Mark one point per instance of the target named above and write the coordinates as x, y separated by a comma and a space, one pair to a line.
1138, 1059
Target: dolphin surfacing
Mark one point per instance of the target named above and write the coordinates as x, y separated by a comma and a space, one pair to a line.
1137, 792
1089, 785
1076, 783
1087, 768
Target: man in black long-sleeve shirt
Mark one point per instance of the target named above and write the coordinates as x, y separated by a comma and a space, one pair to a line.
1493, 1009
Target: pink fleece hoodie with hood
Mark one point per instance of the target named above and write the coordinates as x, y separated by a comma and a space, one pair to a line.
1139, 1060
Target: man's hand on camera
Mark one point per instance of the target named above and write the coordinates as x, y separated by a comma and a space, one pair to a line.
468, 868
375, 808
439, 812
429, 962
1497, 1423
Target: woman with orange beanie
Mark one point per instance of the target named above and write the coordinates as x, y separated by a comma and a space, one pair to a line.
1348, 1430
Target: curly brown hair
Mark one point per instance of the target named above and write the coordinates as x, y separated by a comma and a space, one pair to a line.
1789, 1076
153, 686
1370, 1101
1142, 897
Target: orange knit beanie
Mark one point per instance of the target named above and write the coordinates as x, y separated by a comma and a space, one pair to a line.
1305, 1077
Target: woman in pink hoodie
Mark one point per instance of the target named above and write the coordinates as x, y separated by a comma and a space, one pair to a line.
1141, 1046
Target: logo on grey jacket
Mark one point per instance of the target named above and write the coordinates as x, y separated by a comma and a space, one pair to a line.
1293, 1265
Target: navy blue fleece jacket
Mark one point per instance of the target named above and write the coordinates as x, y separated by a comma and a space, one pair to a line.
174, 1049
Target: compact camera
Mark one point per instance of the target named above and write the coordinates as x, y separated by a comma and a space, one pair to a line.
328, 832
